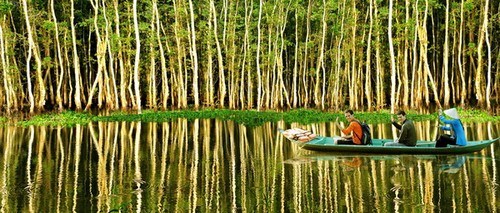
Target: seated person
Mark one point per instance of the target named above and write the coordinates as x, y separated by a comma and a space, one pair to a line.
457, 136
407, 132
353, 132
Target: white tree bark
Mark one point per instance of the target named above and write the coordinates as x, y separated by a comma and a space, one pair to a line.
137, 59
393, 61
76, 60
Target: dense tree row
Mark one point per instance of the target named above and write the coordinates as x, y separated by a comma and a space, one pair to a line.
242, 54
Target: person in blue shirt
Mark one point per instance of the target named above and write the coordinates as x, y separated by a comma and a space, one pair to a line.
457, 136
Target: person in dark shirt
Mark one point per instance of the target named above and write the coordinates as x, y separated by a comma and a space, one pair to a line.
408, 134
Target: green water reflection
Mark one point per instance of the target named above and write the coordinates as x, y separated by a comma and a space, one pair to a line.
220, 166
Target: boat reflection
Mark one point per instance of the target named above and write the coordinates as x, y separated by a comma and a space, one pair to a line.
453, 164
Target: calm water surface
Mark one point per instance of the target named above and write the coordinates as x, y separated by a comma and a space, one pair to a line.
221, 166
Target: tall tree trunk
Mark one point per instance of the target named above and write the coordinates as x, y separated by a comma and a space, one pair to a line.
463, 88
101, 62
380, 70
368, 65
9, 94
305, 69
257, 57
152, 88
112, 101
295, 77
59, 58
478, 80
319, 65
137, 59
194, 56
488, 75
120, 58
180, 87
415, 78
68, 83
165, 90
337, 94
423, 50
208, 76
220, 60
268, 65
488, 46
280, 59
247, 52
406, 50
232, 50
28, 59
454, 82
273, 97
76, 60
353, 82
393, 62
445, 80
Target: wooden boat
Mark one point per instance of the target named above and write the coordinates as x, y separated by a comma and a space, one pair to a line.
328, 144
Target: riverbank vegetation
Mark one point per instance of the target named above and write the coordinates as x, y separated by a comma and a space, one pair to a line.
245, 117
86, 55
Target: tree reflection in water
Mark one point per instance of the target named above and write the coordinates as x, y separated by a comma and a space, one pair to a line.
220, 166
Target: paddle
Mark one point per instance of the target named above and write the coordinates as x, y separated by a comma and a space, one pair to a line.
438, 133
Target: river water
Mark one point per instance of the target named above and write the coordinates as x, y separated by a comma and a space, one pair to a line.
212, 165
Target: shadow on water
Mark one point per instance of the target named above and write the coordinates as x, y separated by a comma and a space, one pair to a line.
210, 165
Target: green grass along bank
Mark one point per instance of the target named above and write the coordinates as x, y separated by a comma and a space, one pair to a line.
250, 118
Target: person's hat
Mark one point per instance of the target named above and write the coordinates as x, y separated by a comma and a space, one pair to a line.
452, 113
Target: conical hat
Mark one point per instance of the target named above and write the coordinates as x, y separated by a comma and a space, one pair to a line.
452, 113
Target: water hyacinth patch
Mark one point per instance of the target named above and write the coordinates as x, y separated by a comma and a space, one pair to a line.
249, 118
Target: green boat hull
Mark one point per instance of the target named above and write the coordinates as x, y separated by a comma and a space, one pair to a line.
326, 144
